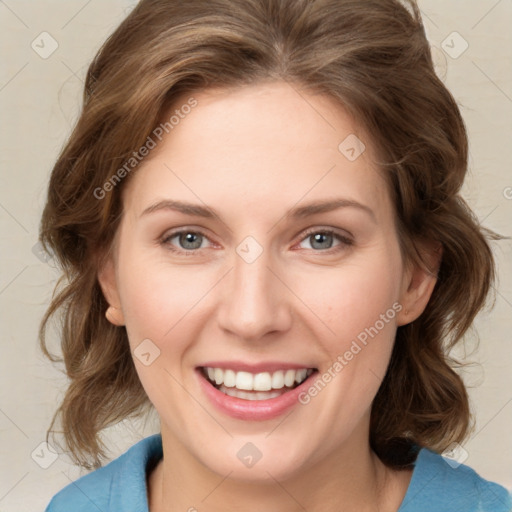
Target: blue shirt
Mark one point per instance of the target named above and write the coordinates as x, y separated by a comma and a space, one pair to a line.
435, 486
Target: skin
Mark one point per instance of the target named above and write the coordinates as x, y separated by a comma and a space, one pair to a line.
251, 154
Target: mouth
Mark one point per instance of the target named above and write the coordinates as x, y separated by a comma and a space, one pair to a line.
261, 386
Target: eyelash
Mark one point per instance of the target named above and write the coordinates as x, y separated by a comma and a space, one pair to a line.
345, 241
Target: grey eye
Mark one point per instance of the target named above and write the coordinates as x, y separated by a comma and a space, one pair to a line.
321, 240
189, 240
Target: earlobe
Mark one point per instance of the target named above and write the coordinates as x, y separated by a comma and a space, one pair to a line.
114, 316
418, 286
108, 283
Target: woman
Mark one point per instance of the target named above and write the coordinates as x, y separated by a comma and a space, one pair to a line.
259, 220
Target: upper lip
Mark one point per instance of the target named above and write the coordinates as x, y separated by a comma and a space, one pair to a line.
268, 366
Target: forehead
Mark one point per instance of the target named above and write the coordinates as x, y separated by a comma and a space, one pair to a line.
270, 144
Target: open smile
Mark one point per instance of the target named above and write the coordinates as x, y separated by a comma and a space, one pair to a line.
254, 396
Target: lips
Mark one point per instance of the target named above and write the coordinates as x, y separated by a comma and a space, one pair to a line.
246, 392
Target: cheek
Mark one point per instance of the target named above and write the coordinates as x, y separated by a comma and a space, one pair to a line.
352, 297
162, 301
358, 304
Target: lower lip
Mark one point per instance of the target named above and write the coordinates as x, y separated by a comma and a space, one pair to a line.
252, 410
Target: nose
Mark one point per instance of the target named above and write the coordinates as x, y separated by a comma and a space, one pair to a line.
255, 301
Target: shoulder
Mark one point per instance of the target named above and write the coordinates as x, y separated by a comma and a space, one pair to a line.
121, 481
442, 484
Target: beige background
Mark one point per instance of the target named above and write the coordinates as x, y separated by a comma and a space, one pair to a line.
39, 101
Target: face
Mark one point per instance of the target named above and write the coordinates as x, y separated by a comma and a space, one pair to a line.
223, 266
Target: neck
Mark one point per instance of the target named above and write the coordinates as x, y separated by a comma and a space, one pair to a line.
349, 479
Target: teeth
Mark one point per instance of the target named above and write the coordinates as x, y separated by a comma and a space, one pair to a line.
218, 375
300, 375
278, 380
262, 382
265, 381
289, 378
248, 395
229, 378
244, 380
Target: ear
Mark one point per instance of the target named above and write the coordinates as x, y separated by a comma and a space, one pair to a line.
418, 284
108, 283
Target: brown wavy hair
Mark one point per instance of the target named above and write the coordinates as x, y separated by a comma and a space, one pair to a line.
372, 56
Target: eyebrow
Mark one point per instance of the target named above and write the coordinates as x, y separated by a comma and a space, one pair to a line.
295, 213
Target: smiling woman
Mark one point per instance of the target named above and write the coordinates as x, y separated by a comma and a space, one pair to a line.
299, 233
